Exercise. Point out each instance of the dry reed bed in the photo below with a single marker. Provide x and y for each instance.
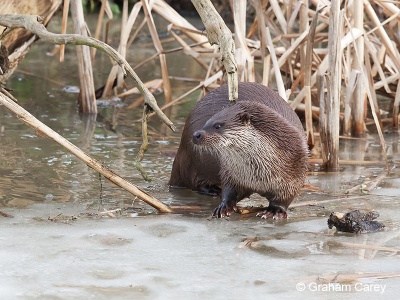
(286, 47)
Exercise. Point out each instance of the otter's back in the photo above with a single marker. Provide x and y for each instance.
(217, 100)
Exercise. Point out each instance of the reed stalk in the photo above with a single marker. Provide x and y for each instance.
(87, 98)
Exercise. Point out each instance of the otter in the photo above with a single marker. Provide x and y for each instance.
(256, 145)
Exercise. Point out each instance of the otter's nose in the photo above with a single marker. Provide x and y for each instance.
(198, 136)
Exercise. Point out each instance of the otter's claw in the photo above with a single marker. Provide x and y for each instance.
(273, 212)
(224, 210)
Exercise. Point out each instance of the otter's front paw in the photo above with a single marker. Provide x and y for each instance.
(273, 212)
(224, 210)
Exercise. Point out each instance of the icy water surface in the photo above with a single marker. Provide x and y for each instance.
(72, 235)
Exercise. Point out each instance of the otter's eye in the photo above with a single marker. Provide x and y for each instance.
(217, 126)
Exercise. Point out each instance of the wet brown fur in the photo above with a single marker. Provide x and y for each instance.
(261, 147)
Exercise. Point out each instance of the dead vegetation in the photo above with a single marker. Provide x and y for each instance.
(329, 59)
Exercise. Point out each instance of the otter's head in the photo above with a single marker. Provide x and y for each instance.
(223, 127)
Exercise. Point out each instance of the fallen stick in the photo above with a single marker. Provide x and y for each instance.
(319, 202)
(346, 278)
(368, 185)
(43, 130)
(366, 247)
(351, 162)
(5, 215)
(253, 209)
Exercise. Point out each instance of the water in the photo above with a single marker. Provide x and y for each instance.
(74, 235)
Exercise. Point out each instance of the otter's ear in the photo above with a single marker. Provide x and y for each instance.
(244, 117)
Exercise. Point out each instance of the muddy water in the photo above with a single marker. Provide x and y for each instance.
(75, 236)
